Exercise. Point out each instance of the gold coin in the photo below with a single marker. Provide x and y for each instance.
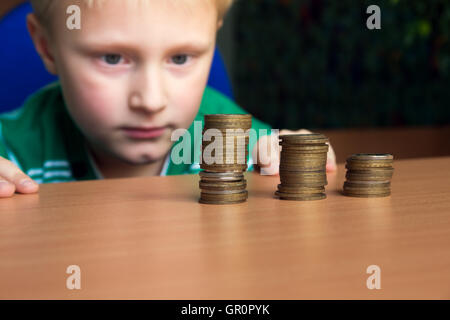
(227, 153)
(226, 148)
(224, 197)
(226, 137)
(300, 169)
(202, 201)
(365, 177)
(366, 191)
(300, 189)
(298, 166)
(224, 159)
(216, 158)
(367, 165)
(220, 162)
(221, 192)
(302, 161)
(313, 138)
(228, 117)
(232, 132)
(221, 176)
(223, 185)
(380, 195)
(305, 174)
(309, 184)
(372, 156)
(223, 167)
(367, 184)
(298, 197)
(302, 149)
(296, 161)
(230, 150)
(303, 157)
(228, 121)
(305, 153)
(379, 172)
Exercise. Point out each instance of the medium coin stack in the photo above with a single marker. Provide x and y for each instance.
(303, 163)
(222, 181)
(368, 175)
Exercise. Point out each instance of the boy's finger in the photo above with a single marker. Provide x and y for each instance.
(266, 153)
(301, 131)
(22, 183)
(7, 189)
(331, 160)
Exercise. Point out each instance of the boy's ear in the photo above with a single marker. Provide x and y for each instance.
(41, 42)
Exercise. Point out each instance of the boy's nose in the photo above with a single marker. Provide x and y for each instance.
(148, 93)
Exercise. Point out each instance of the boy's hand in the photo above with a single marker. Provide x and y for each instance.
(271, 165)
(12, 179)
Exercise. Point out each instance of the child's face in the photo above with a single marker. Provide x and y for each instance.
(142, 65)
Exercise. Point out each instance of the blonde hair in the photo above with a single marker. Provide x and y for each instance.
(42, 7)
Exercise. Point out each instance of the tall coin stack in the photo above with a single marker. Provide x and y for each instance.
(368, 175)
(303, 163)
(222, 182)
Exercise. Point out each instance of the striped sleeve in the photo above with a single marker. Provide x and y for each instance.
(3, 152)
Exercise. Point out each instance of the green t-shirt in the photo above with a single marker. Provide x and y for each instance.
(45, 143)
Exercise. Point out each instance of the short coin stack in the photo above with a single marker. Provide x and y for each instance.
(222, 181)
(368, 175)
(303, 167)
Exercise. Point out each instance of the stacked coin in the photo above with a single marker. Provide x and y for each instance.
(368, 175)
(303, 161)
(224, 158)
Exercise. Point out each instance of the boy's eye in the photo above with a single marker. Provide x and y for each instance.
(112, 59)
(179, 59)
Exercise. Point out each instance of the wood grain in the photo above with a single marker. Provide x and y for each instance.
(148, 238)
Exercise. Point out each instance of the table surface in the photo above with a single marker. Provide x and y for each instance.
(149, 238)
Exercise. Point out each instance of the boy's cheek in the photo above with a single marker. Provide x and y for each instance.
(96, 109)
(187, 105)
(96, 102)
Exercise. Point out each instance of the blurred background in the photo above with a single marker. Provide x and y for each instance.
(314, 64)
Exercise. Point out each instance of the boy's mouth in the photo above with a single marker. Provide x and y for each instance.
(144, 133)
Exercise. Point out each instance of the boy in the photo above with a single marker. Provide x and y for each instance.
(133, 73)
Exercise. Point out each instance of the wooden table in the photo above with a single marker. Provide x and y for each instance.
(149, 238)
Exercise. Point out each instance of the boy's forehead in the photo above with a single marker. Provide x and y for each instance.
(136, 11)
(144, 22)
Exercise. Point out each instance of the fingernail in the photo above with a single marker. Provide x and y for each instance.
(3, 183)
(26, 183)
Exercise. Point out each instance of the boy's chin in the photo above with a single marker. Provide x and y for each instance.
(143, 159)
